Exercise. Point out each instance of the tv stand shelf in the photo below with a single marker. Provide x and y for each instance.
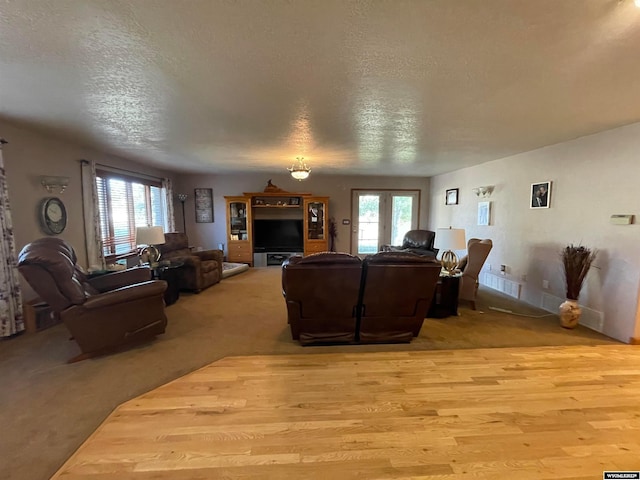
(276, 206)
(267, 259)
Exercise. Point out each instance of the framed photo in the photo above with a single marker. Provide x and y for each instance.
(294, 201)
(451, 197)
(484, 213)
(204, 205)
(540, 195)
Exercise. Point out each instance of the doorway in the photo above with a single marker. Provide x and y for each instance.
(382, 217)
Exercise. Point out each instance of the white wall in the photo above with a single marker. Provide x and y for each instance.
(592, 178)
(338, 187)
(28, 156)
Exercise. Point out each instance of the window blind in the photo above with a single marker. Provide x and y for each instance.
(126, 202)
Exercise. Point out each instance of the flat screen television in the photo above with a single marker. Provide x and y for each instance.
(278, 235)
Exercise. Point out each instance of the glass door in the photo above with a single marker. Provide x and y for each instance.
(382, 217)
(316, 238)
(238, 221)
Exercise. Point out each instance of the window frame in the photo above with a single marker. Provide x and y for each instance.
(109, 241)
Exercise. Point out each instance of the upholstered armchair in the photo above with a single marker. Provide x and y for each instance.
(200, 270)
(321, 292)
(477, 253)
(102, 313)
(397, 290)
(415, 241)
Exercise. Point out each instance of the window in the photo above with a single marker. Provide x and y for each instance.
(383, 217)
(126, 202)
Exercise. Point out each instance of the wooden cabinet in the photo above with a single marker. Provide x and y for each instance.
(316, 217)
(241, 210)
(239, 237)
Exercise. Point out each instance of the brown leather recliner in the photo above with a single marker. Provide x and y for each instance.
(415, 241)
(397, 290)
(102, 313)
(321, 293)
(201, 269)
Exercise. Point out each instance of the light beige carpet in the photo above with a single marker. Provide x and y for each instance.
(48, 407)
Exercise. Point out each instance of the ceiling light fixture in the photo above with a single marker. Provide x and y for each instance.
(299, 170)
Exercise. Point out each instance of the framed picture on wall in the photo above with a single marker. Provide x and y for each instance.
(204, 205)
(540, 194)
(484, 213)
(451, 197)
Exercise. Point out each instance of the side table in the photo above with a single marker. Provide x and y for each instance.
(445, 298)
(169, 271)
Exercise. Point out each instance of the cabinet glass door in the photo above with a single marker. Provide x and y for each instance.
(238, 221)
(315, 221)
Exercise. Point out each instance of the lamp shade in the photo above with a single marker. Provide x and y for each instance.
(149, 236)
(450, 239)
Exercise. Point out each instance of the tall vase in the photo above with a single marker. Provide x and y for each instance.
(570, 313)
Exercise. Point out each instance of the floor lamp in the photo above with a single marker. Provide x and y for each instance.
(183, 198)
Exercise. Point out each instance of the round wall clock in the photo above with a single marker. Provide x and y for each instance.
(53, 216)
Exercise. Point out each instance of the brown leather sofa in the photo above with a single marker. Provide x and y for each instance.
(200, 270)
(415, 241)
(397, 290)
(321, 292)
(333, 298)
(102, 313)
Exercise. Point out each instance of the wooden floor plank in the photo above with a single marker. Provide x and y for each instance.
(526, 413)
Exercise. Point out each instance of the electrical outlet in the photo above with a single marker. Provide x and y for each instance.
(545, 283)
(503, 269)
(523, 278)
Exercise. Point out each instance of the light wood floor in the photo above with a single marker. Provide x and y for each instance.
(517, 413)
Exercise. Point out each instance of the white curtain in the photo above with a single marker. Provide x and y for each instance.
(92, 233)
(168, 204)
(11, 319)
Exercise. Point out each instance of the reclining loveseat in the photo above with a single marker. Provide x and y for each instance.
(338, 298)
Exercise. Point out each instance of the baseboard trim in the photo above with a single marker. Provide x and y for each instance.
(634, 341)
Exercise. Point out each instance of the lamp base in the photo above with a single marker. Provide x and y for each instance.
(449, 261)
(150, 255)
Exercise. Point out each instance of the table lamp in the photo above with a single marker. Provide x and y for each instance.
(150, 237)
(448, 240)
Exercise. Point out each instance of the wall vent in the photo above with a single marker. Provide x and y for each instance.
(501, 284)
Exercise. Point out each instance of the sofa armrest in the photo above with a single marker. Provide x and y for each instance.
(111, 281)
(127, 294)
(394, 248)
(188, 260)
(217, 255)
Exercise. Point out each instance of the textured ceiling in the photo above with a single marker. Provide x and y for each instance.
(366, 87)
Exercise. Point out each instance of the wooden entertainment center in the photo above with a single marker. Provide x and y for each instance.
(271, 209)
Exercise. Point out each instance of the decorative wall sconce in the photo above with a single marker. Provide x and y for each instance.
(483, 192)
(299, 170)
(54, 184)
